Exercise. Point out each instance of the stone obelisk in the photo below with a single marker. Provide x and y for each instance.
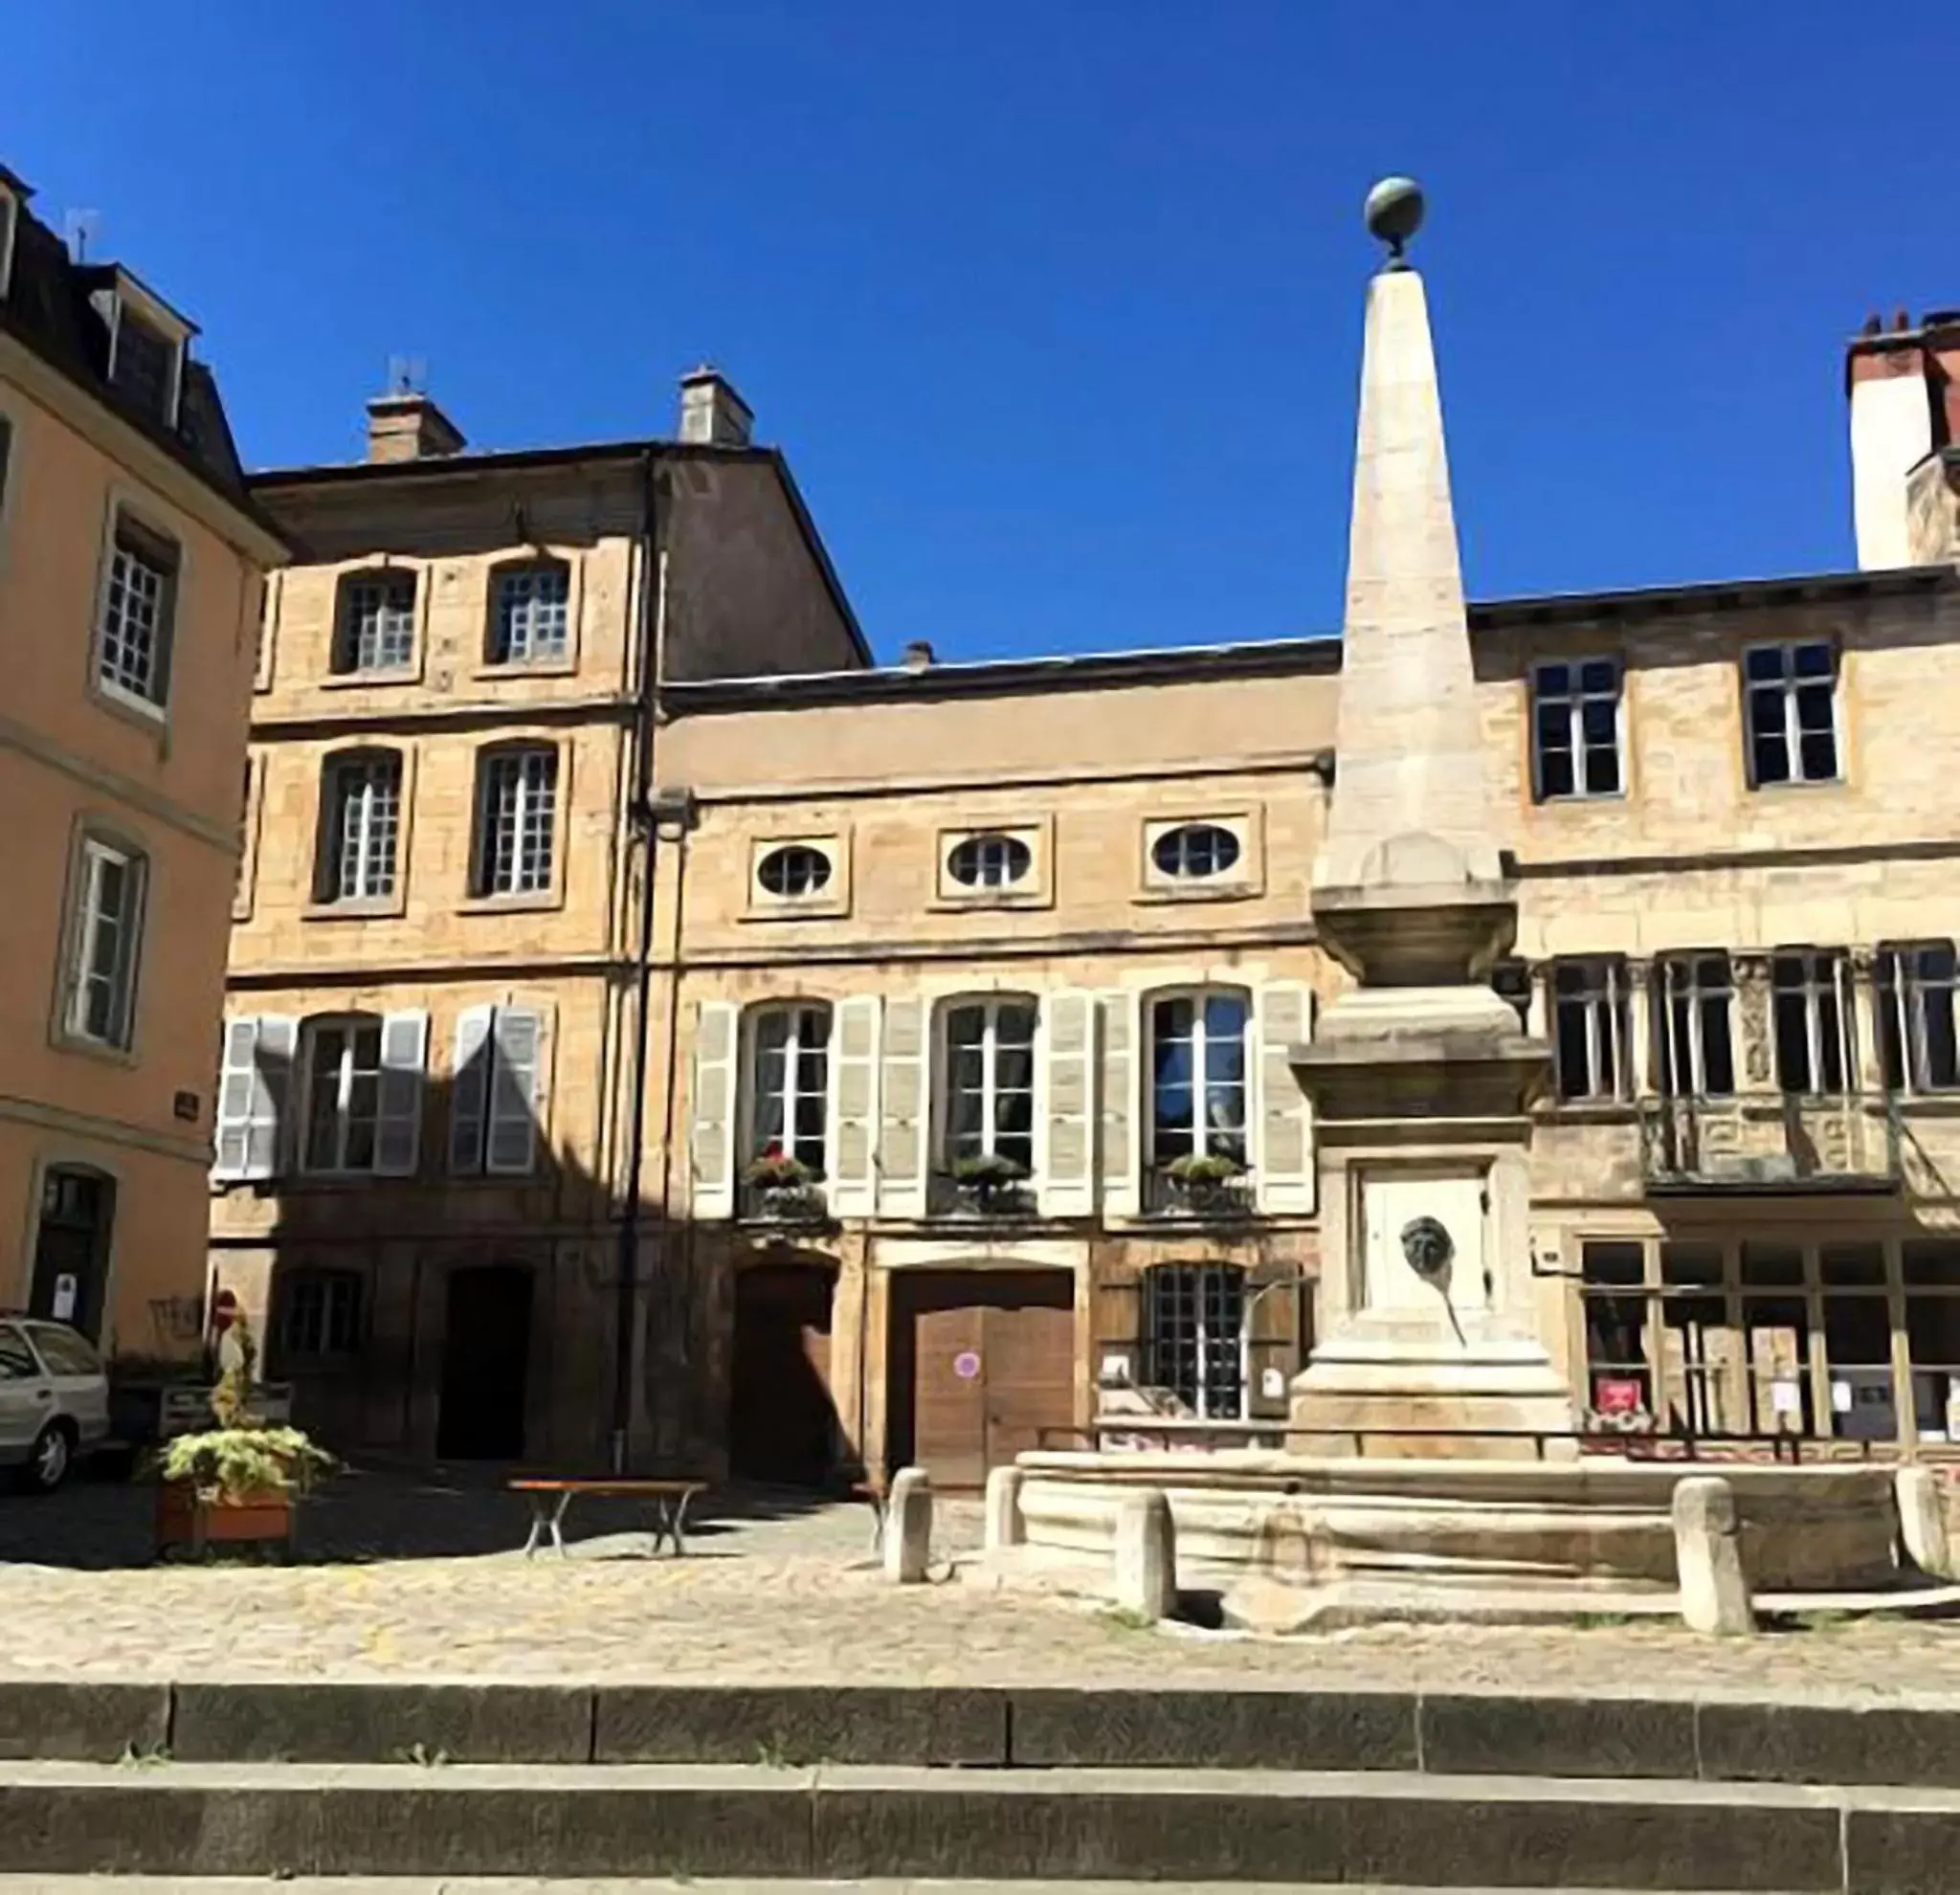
(1421, 1075)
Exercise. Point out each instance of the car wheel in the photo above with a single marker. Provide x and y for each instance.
(47, 1465)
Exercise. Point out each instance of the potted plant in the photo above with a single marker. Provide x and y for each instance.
(236, 1483)
(783, 1184)
(990, 1180)
(1204, 1178)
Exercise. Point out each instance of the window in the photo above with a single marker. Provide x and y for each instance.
(1575, 728)
(70, 1266)
(139, 602)
(63, 1351)
(1813, 1020)
(342, 1094)
(494, 1103)
(990, 1078)
(1198, 1042)
(1793, 712)
(1619, 1380)
(319, 1315)
(146, 367)
(529, 615)
(788, 1101)
(794, 871)
(516, 811)
(1592, 1022)
(377, 623)
(6, 456)
(1697, 1058)
(990, 862)
(1195, 851)
(362, 803)
(108, 920)
(1916, 1035)
(1194, 1314)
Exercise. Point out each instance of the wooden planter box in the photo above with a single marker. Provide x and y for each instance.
(183, 1520)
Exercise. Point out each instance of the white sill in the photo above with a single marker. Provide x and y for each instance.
(120, 696)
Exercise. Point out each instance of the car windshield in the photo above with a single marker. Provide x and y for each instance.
(64, 1353)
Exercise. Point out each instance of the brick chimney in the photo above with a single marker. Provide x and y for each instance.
(409, 426)
(1903, 383)
(712, 415)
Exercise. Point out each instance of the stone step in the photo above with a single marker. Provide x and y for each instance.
(1711, 1739)
(498, 1884)
(1402, 1828)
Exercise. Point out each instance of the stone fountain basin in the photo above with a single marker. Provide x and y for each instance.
(1597, 1523)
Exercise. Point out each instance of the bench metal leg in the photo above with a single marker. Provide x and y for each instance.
(669, 1521)
(538, 1509)
(877, 1526)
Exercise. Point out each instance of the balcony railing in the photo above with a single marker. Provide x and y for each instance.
(1772, 1144)
(1205, 1200)
(799, 1206)
(983, 1200)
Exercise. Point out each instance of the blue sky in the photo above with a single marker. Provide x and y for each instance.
(1055, 307)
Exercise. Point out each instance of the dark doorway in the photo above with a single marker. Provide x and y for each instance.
(72, 1248)
(484, 1363)
(782, 1423)
(982, 1369)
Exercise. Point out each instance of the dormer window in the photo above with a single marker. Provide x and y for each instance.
(146, 345)
(9, 223)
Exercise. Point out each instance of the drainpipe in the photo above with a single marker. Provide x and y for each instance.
(650, 640)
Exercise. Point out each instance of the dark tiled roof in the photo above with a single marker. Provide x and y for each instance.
(46, 307)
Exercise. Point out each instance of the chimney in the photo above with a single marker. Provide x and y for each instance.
(408, 426)
(918, 655)
(712, 415)
(1890, 382)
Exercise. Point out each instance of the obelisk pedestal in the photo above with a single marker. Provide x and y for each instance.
(1420, 1074)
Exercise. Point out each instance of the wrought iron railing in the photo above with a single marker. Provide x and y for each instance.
(982, 1200)
(1776, 1141)
(1217, 1200)
(800, 1205)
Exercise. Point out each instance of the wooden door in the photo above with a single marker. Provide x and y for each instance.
(485, 1363)
(782, 1423)
(983, 1363)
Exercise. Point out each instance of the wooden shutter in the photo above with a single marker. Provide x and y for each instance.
(717, 1042)
(515, 1090)
(469, 1088)
(1283, 1160)
(906, 1127)
(1122, 1123)
(1067, 1120)
(238, 1087)
(398, 1117)
(272, 1085)
(853, 1127)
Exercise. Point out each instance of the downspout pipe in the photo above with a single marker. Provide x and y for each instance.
(651, 632)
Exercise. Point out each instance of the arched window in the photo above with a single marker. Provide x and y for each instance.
(789, 1094)
(1193, 1319)
(1197, 1075)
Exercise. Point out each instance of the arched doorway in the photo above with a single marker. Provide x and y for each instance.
(485, 1363)
(981, 1367)
(781, 1422)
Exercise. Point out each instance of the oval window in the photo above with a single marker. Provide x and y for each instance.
(794, 871)
(1194, 850)
(990, 862)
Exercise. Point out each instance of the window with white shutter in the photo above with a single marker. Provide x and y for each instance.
(1283, 1162)
(1121, 1146)
(363, 1093)
(853, 1172)
(904, 1149)
(1067, 1167)
(712, 1140)
(398, 1125)
(495, 1090)
(252, 1087)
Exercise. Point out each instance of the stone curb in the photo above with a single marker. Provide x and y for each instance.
(1441, 1733)
(1370, 1828)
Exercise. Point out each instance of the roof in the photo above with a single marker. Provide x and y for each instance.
(518, 461)
(1275, 656)
(47, 309)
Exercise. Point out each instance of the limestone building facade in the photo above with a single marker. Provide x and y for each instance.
(132, 562)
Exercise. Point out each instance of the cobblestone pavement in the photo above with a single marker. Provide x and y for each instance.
(420, 1577)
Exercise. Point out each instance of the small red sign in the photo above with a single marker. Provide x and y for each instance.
(1618, 1394)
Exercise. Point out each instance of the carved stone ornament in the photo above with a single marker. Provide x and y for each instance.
(1428, 1246)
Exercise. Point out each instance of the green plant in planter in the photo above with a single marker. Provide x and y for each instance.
(1205, 1167)
(776, 1170)
(230, 1463)
(989, 1167)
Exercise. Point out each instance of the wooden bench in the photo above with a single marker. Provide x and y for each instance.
(552, 1499)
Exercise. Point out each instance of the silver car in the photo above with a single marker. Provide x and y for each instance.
(53, 1400)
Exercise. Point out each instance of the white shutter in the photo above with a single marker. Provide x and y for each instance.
(1066, 1118)
(469, 1088)
(515, 1090)
(1123, 1064)
(852, 1117)
(1283, 1160)
(905, 1155)
(717, 1042)
(279, 1047)
(237, 1085)
(398, 1114)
